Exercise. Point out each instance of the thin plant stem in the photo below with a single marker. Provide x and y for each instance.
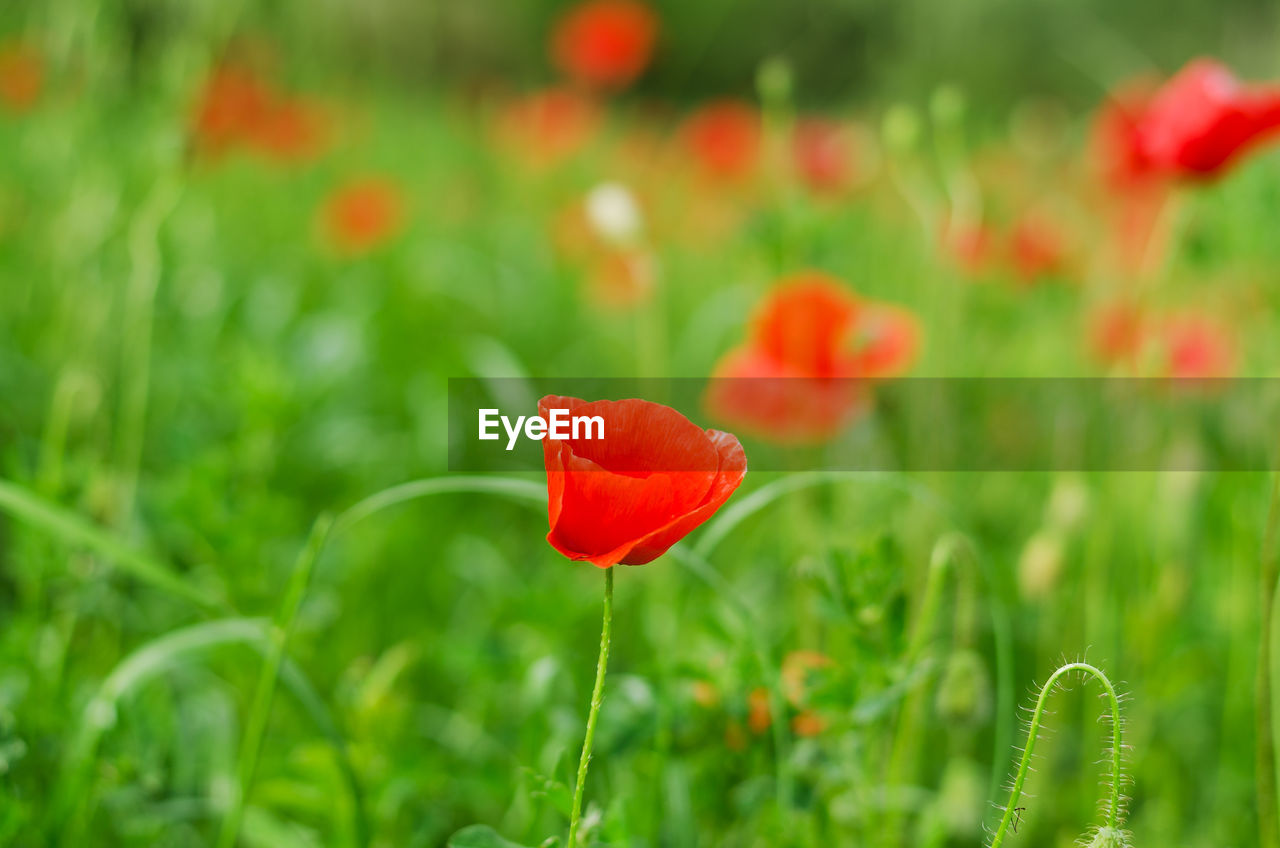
(904, 751)
(136, 331)
(597, 697)
(1112, 802)
(1268, 817)
(264, 693)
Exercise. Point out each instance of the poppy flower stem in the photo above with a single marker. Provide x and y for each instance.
(1268, 818)
(1113, 803)
(597, 697)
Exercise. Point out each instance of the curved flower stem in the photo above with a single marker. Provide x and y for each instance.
(597, 696)
(1268, 819)
(1113, 800)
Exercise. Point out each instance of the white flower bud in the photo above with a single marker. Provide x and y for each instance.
(613, 212)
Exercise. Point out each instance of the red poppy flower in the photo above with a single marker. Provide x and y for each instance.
(1204, 119)
(1196, 348)
(1036, 248)
(621, 276)
(723, 138)
(21, 76)
(824, 154)
(1118, 148)
(971, 246)
(548, 126)
(230, 109)
(605, 43)
(1117, 334)
(629, 496)
(291, 130)
(801, 376)
(362, 214)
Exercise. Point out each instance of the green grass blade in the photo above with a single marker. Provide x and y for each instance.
(75, 530)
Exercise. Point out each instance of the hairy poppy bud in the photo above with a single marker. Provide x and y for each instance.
(1110, 837)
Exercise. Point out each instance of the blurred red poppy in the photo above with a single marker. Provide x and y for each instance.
(230, 109)
(971, 246)
(824, 155)
(21, 76)
(362, 214)
(1036, 248)
(1117, 332)
(1117, 144)
(546, 127)
(723, 139)
(802, 374)
(1195, 348)
(291, 130)
(621, 276)
(1203, 120)
(605, 43)
(629, 496)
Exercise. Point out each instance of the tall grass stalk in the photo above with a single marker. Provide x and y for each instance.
(1264, 714)
(264, 693)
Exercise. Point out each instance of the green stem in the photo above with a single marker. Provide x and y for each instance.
(137, 325)
(904, 750)
(1113, 801)
(597, 697)
(697, 565)
(1268, 818)
(260, 710)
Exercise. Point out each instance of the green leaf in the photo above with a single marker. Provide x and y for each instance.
(480, 836)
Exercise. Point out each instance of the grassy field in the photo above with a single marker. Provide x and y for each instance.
(225, 620)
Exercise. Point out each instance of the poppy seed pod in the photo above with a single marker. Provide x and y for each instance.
(1040, 565)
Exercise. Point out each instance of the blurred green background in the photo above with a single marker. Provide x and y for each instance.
(195, 367)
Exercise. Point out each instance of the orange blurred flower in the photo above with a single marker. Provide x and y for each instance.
(236, 108)
(1196, 347)
(759, 717)
(605, 43)
(808, 723)
(1036, 248)
(229, 109)
(21, 76)
(291, 130)
(546, 127)
(803, 373)
(797, 667)
(971, 246)
(1117, 333)
(723, 139)
(363, 214)
(621, 276)
(825, 155)
(705, 694)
